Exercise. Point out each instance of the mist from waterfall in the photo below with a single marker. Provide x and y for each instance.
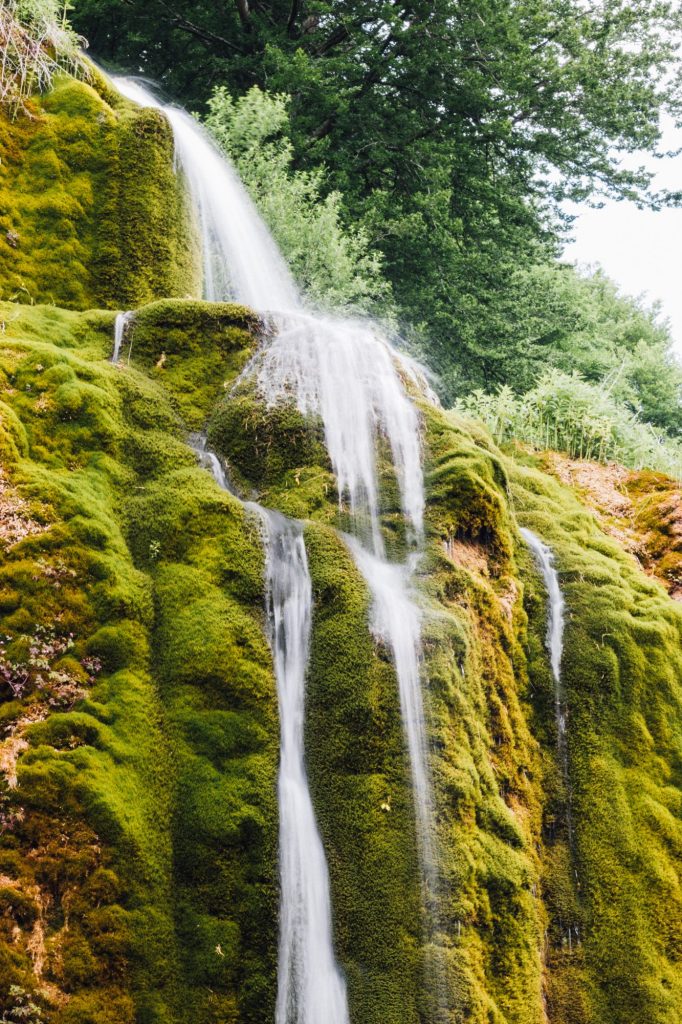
(344, 370)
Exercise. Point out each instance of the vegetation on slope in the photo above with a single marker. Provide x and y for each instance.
(533, 893)
(642, 510)
(92, 213)
(566, 413)
(139, 743)
(138, 718)
(36, 41)
(613, 954)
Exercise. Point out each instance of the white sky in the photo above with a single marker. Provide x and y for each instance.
(640, 250)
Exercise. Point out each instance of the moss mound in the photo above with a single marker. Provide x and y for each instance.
(92, 212)
(613, 877)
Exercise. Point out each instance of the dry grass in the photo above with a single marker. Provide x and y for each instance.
(36, 41)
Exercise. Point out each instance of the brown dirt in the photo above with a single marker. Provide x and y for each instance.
(640, 509)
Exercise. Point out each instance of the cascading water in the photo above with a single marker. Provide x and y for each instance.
(341, 369)
(345, 371)
(397, 622)
(544, 558)
(120, 323)
(240, 259)
(209, 460)
(311, 989)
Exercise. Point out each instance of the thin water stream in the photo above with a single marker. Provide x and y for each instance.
(544, 558)
(311, 989)
(120, 324)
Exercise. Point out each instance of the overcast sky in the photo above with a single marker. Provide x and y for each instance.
(640, 250)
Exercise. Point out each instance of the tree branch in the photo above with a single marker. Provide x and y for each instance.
(293, 15)
(244, 14)
(182, 23)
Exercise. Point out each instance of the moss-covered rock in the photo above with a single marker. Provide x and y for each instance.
(92, 211)
(614, 887)
(139, 733)
(194, 349)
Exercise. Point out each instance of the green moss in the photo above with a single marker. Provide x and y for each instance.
(92, 212)
(621, 671)
(194, 349)
(94, 452)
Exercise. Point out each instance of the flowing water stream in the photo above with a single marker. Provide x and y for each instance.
(120, 323)
(544, 558)
(311, 989)
(344, 371)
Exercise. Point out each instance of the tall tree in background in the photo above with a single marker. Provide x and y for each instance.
(452, 129)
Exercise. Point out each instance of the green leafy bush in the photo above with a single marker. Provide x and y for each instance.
(566, 412)
(332, 263)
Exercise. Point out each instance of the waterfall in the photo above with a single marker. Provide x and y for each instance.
(342, 369)
(311, 989)
(209, 460)
(240, 259)
(345, 371)
(544, 558)
(120, 323)
(396, 621)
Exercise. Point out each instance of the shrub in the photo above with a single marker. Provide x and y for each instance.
(567, 413)
(36, 40)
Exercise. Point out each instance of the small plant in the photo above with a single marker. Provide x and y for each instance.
(36, 41)
(36, 669)
(22, 1009)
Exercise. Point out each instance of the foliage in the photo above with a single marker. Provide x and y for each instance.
(36, 41)
(614, 839)
(551, 315)
(332, 264)
(23, 1010)
(567, 413)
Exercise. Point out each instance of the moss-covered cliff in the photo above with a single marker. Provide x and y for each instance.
(138, 712)
(92, 212)
(139, 728)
